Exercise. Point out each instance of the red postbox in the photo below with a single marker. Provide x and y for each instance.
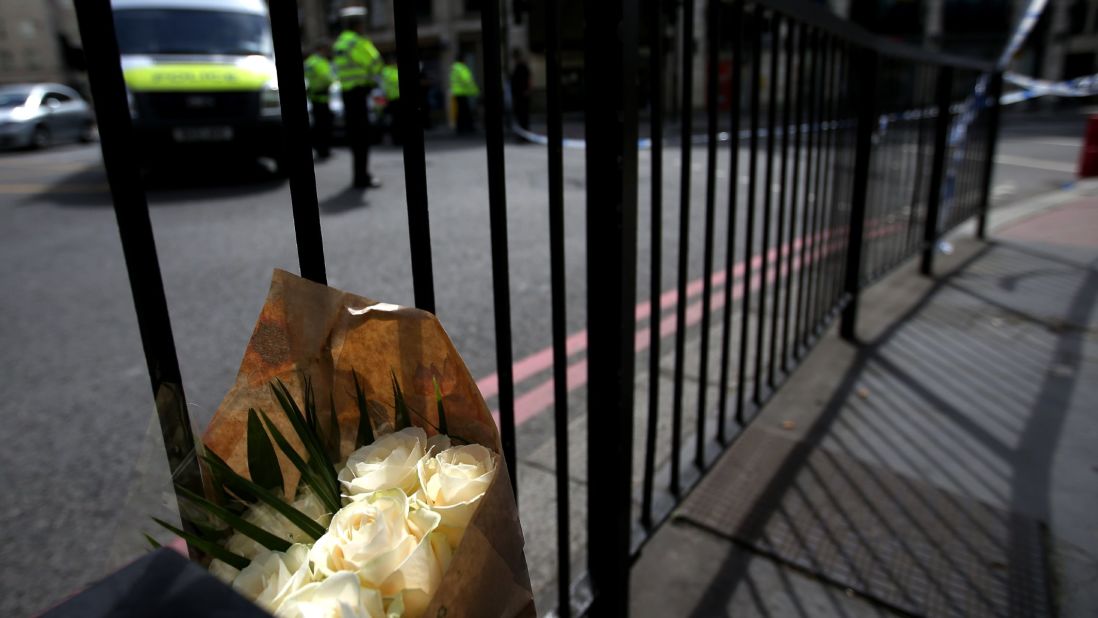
(1088, 159)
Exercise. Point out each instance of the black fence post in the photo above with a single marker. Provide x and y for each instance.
(131, 209)
(994, 93)
(942, 97)
(497, 215)
(415, 158)
(297, 153)
(868, 66)
(610, 57)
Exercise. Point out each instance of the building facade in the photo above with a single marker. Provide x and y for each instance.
(449, 30)
(40, 42)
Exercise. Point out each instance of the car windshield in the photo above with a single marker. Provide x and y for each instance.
(185, 31)
(12, 98)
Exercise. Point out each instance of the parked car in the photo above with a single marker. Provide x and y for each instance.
(38, 115)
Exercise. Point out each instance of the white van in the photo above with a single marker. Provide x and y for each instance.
(200, 74)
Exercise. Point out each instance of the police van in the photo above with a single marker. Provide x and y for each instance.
(200, 75)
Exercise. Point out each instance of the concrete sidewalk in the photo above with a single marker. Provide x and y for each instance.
(946, 466)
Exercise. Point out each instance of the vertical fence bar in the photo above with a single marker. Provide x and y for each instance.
(783, 177)
(768, 198)
(286, 34)
(131, 210)
(497, 213)
(812, 44)
(819, 208)
(802, 62)
(866, 101)
(827, 255)
(712, 32)
(917, 183)
(846, 174)
(684, 237)
(655, 288)
(995, 92)
(942, 95)
(749, 228)
(559, 298)
(415, 162)
(733, 213)
(610, 48)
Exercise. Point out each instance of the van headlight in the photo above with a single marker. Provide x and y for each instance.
(268, 100)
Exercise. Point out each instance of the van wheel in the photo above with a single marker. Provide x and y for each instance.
(40, 138)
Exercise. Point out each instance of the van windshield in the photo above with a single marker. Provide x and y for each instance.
(186, 31)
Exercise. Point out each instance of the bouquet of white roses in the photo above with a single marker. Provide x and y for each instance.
(383, 501)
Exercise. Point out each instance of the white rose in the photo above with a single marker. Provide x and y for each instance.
(273, 576)
(223, 571)
(453, 483)
(267, 518)
(387, 546)
(388, 463)
(339, 596)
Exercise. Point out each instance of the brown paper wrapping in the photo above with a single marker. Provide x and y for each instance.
(311, 329)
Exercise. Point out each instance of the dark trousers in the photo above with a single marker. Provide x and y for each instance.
(393, 111)
(522, 111)
(357, 115)
(465, 114)
(322, 129)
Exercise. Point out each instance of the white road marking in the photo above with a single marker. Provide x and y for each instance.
(1039, 164)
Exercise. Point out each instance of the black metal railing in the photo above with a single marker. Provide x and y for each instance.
(859, 154)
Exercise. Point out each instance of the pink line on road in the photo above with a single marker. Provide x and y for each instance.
(540, 397)
(577, 342)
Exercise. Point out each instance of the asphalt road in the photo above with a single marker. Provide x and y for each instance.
(77, 451)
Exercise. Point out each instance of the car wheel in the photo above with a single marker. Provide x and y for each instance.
(40, 138)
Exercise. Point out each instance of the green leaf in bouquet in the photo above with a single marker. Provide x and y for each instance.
(262, 462)
(248, 529)
(365, 427)
(207, 546)
(152, 542)
(325, 490)
(220, 482)
(318, 460)
(402, 419)
(441, 409)
(296, 517)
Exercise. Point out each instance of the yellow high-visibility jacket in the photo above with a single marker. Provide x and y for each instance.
(462, 83)
(318, 78)
(390, 82)
(357, 61)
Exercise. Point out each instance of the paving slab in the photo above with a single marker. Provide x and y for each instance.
(943, 466)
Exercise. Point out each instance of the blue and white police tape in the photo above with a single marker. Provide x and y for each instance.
(1033, 88)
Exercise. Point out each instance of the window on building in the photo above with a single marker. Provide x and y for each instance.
(5, 60)
(31, 60)
(472, 6)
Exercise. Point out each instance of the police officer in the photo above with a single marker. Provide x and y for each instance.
(318, 80)
(358, 65)
(465, 92)
(390, 84)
